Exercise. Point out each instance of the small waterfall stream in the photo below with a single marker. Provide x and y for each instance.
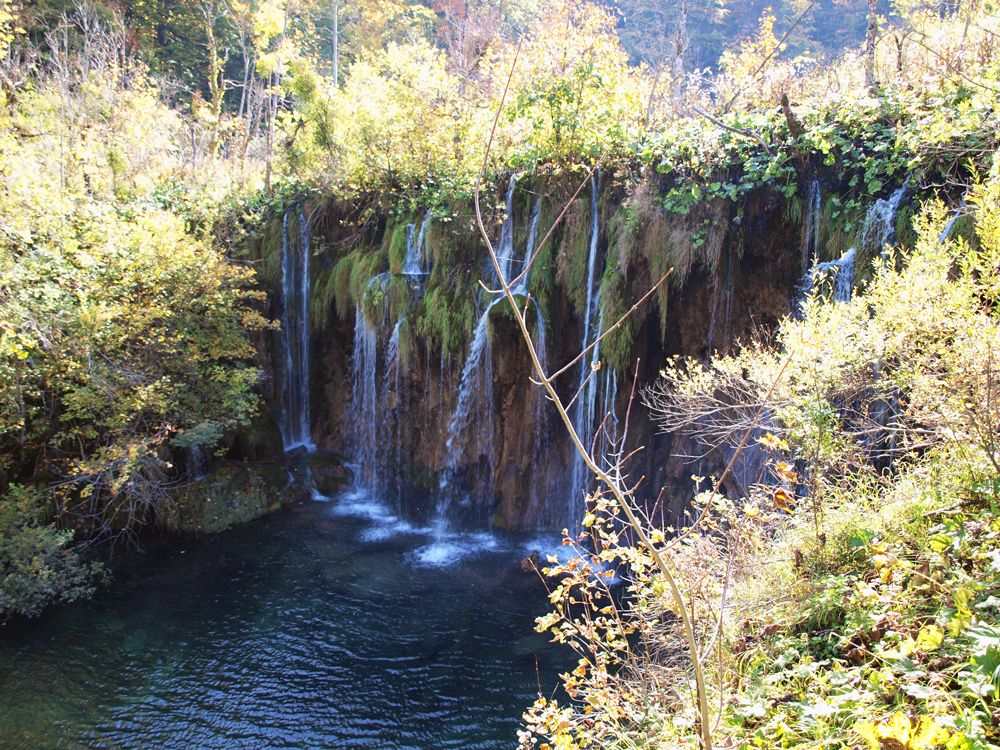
(295, 288)
(472, 421)
(476, 384)
(586, 396)
(811, 245)
(198, 464)
(413, 265)
(878, 230)
(365, 400)
(378, 403)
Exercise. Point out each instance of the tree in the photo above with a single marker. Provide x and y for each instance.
(871, 38)
(213, 12)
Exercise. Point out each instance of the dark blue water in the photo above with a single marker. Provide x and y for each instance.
(325, 625)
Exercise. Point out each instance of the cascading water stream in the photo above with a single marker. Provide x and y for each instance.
(365, 400)
(295, 287)
(198, 464)
(521, 287)
(724, 293)
(476, 384)
(812, 224)
(371, 404)
(413, 264)
(878, 231)
(586, 397)
(505, 247)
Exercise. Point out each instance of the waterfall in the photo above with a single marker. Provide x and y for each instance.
(295, 288)
(413, 265)
(394, 382)
(372, 409)
(505, 247)
(950, 224)
(724, 291)
(197, 464)
(586, 397)
(522, 285)
(421, 248)
(476, 383)
(365, 399)
(811, 248)
(878, 230)
(540, 397)
(880, 222)
(477, 372)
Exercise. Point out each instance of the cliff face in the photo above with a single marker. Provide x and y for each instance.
(426, 387)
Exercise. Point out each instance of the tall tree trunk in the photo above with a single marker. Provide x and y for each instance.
(273, 107)
(870, 39)
(336, 44)
(216, 85)
(680, 50)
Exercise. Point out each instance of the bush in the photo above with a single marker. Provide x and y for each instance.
(37, 567)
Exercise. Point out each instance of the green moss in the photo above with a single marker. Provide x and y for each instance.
(617, 349)
(322, 300)
(454, 240)
(340, 281)
(406, 344)
(794, 209)
(398, 295)
(397, 248)
(542, 280)
(840, 228)
(965, 228)
(906, 236)
(232, 494)
(445, 317)
(375, 299)
(266, 254)
(574, 254)
(365, 268)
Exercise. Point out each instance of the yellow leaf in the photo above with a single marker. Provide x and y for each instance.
(930, 638)
(786, 471)
(782, 498)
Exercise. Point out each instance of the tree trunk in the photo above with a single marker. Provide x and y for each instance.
(336, 44)
(273, 106)
(870, 39)
(680, 50)
(216, 85)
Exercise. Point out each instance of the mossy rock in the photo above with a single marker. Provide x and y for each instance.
(258, 441)
(233, 493)
(329, 474)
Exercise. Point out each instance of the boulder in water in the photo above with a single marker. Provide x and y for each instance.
(299, 451)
